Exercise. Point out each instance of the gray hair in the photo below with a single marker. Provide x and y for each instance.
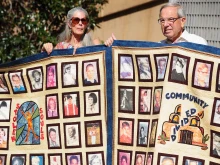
(94, 157)
(67, 33)
(180, 11)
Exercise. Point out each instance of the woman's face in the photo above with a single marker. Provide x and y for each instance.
(78, 28)
(90, 101)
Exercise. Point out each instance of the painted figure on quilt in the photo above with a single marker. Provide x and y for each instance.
(125, 134)
(17, 83)
(28, 124)
(37, 79)
(68, 77)
(202, 75)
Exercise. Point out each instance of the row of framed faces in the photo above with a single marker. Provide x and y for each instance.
(70, 105)
(72, 135)
(92, 158)
(178, 71)
(126, 135)
(69, 77)
(124, 157)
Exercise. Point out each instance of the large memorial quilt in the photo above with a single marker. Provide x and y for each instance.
(135, 103)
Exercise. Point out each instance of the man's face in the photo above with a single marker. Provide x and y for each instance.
(202, 73)
(70, 101)
(171, 30)
(90, 72)
(139, 161)
(53, 136)
(157, 97)
(16, 81)
(123, 162)
(74, 162)
(167, 162)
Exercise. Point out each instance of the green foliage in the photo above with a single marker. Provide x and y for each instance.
(26, 25)
(205, 138)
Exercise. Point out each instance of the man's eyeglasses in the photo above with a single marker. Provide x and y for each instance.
(169, 20)
(76, 20)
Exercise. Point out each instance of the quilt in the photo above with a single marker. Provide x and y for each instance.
(135, 103)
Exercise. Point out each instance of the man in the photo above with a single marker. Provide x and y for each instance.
(167, 161)
(70, 109)
(177, 73)
(17, 84)
(90, 74)
(72, 139)
(143, 137)
(161, 68)
(172, 19)
(125, 134)
(124, 160)
(52, 137)
(157, 100)
(37, 80)
(74, 160)
(139, 160)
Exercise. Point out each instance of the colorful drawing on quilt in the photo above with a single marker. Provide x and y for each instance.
(28, 124)
(185, 130)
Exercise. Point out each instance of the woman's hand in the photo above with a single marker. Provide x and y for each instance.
(110, 40)
(48, 47)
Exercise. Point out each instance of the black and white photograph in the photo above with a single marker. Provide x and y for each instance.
(5, 110)
(95, 158)
(18, 159)
(69, 74)
(53, 136)
(161, 65)
(144, 68)
(142, 133)
(126, 99)
(92, 103)
(72, 135)
(35, 78)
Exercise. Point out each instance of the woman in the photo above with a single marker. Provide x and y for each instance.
(76, 33)
(92, 106)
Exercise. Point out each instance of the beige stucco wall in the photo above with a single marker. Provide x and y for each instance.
(139, 25)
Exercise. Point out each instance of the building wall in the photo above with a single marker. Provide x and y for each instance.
(130, 20)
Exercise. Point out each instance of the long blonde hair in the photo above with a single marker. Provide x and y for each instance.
(67, 33)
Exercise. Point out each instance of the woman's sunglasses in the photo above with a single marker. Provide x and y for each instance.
(76, 20)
